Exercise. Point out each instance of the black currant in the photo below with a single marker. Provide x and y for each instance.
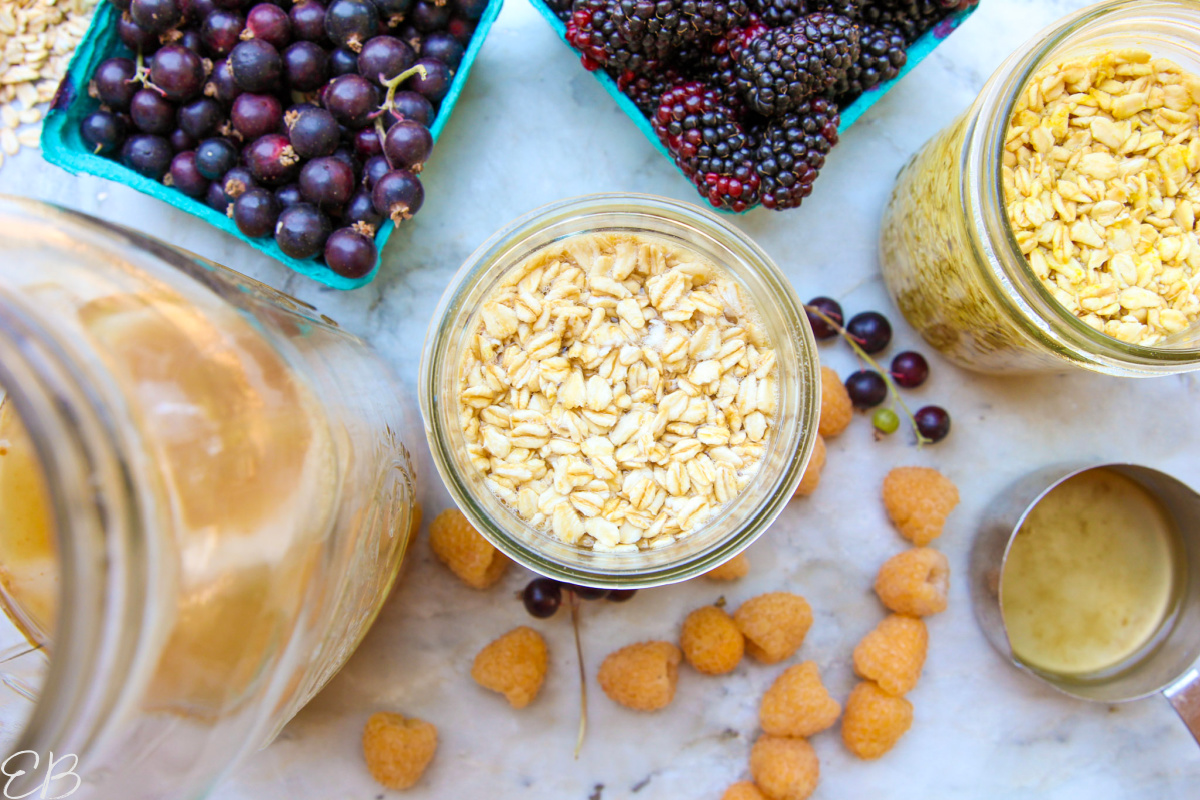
(871, 330)
(301, 231)
(308, 21)
(830, 308)
(255, 212)
(256, 66)
(114, 83)
(215, 157)
(272, 160)
(434, 83)
(201, 118)
(147, 155)
(361, 209)
(255, 115)
(398, 195)
(410, 105)
(933, 422)
(352, 99)
(350, 23)
(342, 62)
(185, 177)
(542, 597)
(349, 253)
(327, 183)
(313, 132)
(306, 66)
(621, 595)
(289, 195)
(271, 24)
(909, 369)
(428, 15)
(152, 113)
(178, 72)
(103, 131)
(407, 145)
(866, 388)
(444, 48)
(156, 16)
(221, 31)
(588, 592)
(374, 169)
(384, 57)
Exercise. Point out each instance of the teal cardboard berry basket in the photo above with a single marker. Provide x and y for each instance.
(62, 144)
(849, 115)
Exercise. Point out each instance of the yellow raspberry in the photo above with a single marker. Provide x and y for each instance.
(514, 665)
(914, 582)
(812, 473)
(874, 720)
(731, 570)
(711, 641)
(743, 790)
(774, 625)
(798, 704)
(460, 547)
(918, 500)
(893, 654)
(836, 408)
(641, 676)
(784, 769)
(398, 748)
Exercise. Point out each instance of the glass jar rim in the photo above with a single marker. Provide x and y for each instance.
(1012, 278)
(489, 256)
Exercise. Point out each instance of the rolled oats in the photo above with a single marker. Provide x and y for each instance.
(617, 391)
(1100, 184)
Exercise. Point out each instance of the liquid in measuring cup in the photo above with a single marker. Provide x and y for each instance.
(1092, 576)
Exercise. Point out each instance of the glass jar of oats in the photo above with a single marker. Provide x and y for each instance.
(204, 499)
(620, 390)
(1052, 223)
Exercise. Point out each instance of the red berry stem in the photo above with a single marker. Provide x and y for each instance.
(574, 601)
(863, 355)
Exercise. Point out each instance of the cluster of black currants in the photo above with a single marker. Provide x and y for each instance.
(543, 596)
(307, 122)
(868, 333)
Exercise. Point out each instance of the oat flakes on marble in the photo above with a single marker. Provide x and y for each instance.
(617, 391)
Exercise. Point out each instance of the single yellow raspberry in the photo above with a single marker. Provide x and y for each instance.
(784, 769)
(731, 570)
(743, 790)
(812, 473)
(918, 500)
(711, 641)
(774, 625)
(914, 582)
(836, 408)
(460, 547)
(893, 654)
(398, 748)
(514, 665)
(641, 676)
(798, 704)
(874, 720)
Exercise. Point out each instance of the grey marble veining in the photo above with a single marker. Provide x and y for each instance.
(531, 128)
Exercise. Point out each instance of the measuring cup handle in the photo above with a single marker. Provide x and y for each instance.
(1184, 695)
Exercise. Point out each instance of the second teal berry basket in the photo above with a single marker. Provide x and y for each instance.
(62, 145)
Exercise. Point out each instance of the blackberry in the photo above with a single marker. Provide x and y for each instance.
(881, 57)
(654, 24)
(593, 32)
(792, 150)
(843, 8)
(646, 90)
(718, 66)
(707, 141)
(910, 18)
(777, 70)
(780, 13)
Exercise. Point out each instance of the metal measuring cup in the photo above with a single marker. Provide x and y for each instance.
(1170, 665)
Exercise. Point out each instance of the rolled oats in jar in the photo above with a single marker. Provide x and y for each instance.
(620, 390)
(1053, 223)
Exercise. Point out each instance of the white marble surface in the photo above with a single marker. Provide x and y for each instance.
(532, 128)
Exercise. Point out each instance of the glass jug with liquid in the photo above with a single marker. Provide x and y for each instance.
(205, 497)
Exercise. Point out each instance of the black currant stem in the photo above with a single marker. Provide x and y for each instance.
(582, 675)
(141, 73)
(887, 376)
(382, 136)
(394, 83)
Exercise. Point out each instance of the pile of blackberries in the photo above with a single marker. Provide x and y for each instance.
(746, 94)
(306, 122)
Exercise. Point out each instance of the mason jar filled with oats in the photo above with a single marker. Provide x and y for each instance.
(620, 391)
(1055, 222)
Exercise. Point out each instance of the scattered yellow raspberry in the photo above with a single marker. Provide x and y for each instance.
(514, 665)
(460, 547)
(914, 582)
(731, 570)
(836, 408)
(918, 500)
(398, 748)
(641, 676)
(774, 625)
(893, 654)
(874, 720)
(812, 473)
(784, 769)
(743, 790)
(798, 704)
(711, 641)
